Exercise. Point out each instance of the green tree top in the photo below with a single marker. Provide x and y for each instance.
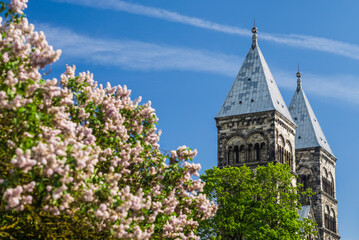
(256, 205)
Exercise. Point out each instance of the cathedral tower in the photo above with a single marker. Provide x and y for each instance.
(254, 125)
(315, 164)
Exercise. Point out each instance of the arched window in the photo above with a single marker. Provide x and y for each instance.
(329, 219)
(256, 146)
(281, 143)
(233, 150)
(242, 153)
(328, 183)
(250, 153)
(331, 180)
(333, 220)
(236, 154)
(305, 177)
(287, 157)
(258, 152)
(289, 154)
(230, 153)
(326, 217)
(263, 151)
(281, 155)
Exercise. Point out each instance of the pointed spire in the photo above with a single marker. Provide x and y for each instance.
(254, 89)
(254, 37)
(299, 80)
(309, 133)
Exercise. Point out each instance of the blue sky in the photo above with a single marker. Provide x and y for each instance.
(184, 56)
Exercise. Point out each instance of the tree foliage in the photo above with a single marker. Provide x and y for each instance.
(80, 161)
(257, 205)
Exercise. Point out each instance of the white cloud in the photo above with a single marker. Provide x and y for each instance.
(136, 55)
(119, 5)
(342, 87)
(293, 40)
(129, 54)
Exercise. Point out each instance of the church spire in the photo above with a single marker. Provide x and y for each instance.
(299, 80)
(254, 37)
(309, 133)
(254, 89)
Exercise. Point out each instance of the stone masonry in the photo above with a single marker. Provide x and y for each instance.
(316, 170)
(253, 139)
(255, 127)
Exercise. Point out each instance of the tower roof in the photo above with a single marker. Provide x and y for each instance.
(254, 89)
(309, 133)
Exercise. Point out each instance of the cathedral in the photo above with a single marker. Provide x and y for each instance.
(255, 127)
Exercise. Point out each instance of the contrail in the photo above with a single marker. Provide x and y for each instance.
(143, 56)
(137, 55)
(293, 40)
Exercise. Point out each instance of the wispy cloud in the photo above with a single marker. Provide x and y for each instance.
(129, 54)
(141, 56)
(342, 87)
(163, 14)
(293, 40)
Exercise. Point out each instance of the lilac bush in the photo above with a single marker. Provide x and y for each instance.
(72, 147)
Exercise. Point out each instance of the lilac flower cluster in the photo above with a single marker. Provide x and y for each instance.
(77, 148)
(18, 5)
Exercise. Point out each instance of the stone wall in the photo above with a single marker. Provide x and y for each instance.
(243, 130)
(253, 139)
(285, 141)
(316, 169)
(263, 137)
